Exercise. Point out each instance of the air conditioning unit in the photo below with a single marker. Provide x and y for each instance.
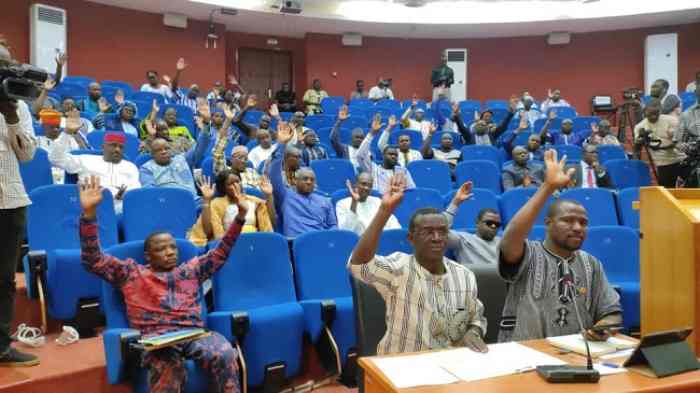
(352, 39)
(457, 60)
(175, 20)
(559, 38)
(291, 6)
(47, 35)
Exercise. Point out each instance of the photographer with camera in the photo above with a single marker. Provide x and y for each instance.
(382, 91)
(655, 134)
(17, 144)
(442, 78)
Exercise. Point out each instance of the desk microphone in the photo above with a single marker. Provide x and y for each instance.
(568, 373)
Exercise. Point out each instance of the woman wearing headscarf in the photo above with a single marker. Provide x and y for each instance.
(125, 119)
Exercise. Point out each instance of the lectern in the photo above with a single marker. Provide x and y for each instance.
(670, 261)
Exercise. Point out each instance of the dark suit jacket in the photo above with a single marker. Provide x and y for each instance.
(601, 181)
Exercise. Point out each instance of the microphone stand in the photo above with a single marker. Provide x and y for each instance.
(571, 290)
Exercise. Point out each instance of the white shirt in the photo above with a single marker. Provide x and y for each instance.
(258, 154)
(548, 103)
(423, 126)
(112, 176)
(380, 93)
(365, 211)
(17, 143)
(584, 176)
(163, 90)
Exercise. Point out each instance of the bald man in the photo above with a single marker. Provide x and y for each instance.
(522, 172)
(239, 166)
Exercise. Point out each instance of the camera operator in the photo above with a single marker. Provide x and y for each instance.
(442, 78)
(655, 134)
(382, 91)
(17, 143)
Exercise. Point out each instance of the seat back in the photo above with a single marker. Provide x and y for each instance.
(319, 121)
(496, 104)
(320, 260)
(394, 240)
(610, 152)
(481, 152)
(617, 248)
(151, 209)
(37, 172)
(572, 152)
(628, 173)
(416, 138)
(147, 96)
(257, 273)
(356, 121)
(482, 173)
(599, 204)
(370, 317)
(433, 174)
(53, 218)
(512, 200)
(415, 199)
(112, 299)
(564, 112)
(126, 87)
(330, 105)
(78, 80)
(344, 193)
(469, 210)
(492, 292)
(331, 174)
(131, 147)
(628, 216)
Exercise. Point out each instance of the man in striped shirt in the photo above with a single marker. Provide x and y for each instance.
(431, 301)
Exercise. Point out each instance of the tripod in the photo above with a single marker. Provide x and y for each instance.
(638, 153)
(624, 118)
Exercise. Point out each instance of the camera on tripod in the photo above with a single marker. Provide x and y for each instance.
(21, 82)
(646, 139)
(632, 94)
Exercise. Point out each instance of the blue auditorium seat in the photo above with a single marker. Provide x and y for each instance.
(330, 105)
(356, 121)
(142, 159)
(131, 147)
(394, 240)
(320, 266)
(628, 173)
(484, 174)
(564, 112)
(433, 174)
(253, 117)
(182, 110)
(117, 324)
(572, 152)
(360, 104)
(346, 135)
(688, 99)
(481, 152)
(52, 226)
(126, 87)
(151, 209)
(415, 199)
(628, 216)
(599, 204)
(610, 152)
(72, 90)
(393, 105)
(316, 122)
(554, 125)
(496, 104)
(582, 124)
(468, 107)
(456, 139)
(617, 248)
(416, 138)
(146, 96)
(512, 200)
(331, 174)
(37, 172)
(469, 210)
(257, 280)
(344, 193)
(77, 80)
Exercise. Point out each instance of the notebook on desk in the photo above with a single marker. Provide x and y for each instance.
(575, 343)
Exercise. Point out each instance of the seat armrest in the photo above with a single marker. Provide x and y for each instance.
(119, 353)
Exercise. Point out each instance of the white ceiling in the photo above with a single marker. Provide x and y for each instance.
(322, 16)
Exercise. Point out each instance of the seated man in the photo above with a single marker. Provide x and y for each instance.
(91, 104)
(286, 98)
(163, 296)
(125, 120)
(311, 149)
(263, 150)
(381, 173)
(342, 150)
(418, 122)
(115, 173)
(356, 211)
(553, 100)
(484, 131)
(405, 154)
(433, 300)
(537, 306)
(301, 209)
(534, 146)
(239, 166)
(601, 135)
(297, 124)
(381, 91)
(313, 98)
(68, 108)
(529, 112)
(445, 152)
(360, 92)
(566, 136)
(589, 173)
(481, 247)
(521, 172)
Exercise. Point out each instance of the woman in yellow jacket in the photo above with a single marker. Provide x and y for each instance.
(218, 213)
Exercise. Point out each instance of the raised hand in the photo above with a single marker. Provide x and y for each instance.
(154, 107)
(376, 124)
(151, 128)
(594, 128)
(432, 129)
(552, 115)
(228, 112)
(251, 102)
(555, 175)
(203, 111)
(103, 105)
(61, 59)
(284, 132)
(180, 65)
(414, 101)
(49, 84)
(207, 188)
(167, 80)
(90, 194)
(266, 186)
(274, 111)
(343, 113)
(524, 124)
(353, 192)
(119, 97)
(232, 80)
(463, 193)
(240, 202)
(455, 109)
(392, 122)
(549, 93)
(394, 193)
(513, 103)
(73, 123)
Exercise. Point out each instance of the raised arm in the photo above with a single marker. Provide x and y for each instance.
(407, 113)
(466, 134)
(426, 150)
(284, 135)
(513, 242)
(61, 59)
(111, 269)
(463, 193)
(179, 67)
(340, 149)
(196, 154)
(543, 133)
(366, 248)
(364, 160)
(38, 104)
(504, 124)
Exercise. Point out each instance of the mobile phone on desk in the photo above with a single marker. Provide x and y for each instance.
(602, 328)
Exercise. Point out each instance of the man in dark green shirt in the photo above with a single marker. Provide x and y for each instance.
(442, 78)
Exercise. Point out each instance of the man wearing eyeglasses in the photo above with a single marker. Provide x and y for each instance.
(481, 247)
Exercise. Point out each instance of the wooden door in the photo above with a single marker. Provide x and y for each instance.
(262, 72)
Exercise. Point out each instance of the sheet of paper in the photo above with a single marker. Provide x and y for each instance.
(619, 354)
(606, 370)
(415, 370)
(576, 343)
(502, 359)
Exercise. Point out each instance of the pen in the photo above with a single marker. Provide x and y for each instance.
(524, 370)
(611, 365)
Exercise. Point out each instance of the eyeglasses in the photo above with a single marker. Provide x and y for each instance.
(492, 224)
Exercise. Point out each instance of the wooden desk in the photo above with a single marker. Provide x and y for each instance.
(376, 382)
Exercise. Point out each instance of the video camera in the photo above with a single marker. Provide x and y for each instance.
(21, 82)
(646, 138)
(632, 93)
